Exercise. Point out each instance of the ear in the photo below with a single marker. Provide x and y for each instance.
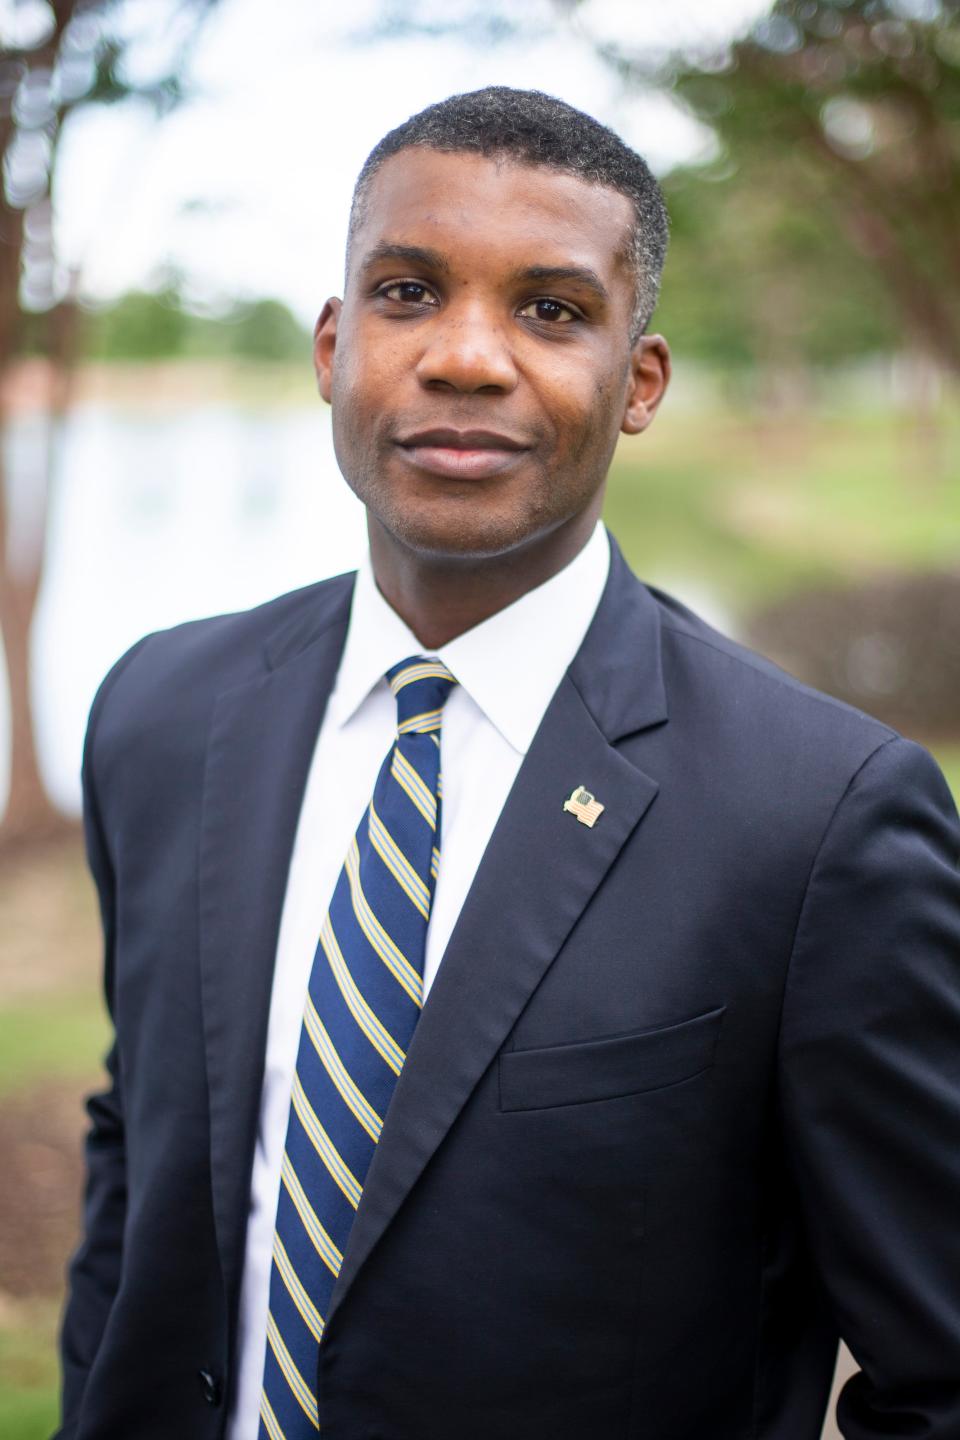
(324, 345)
(649, 378)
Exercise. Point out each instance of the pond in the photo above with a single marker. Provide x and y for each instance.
(158, 518)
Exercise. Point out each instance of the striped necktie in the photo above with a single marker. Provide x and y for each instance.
(363, 1001)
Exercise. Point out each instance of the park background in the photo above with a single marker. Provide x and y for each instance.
(176, 178)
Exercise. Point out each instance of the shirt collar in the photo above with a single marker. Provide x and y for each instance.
(509, 665)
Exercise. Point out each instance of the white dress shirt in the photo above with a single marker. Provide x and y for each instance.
(508, 669)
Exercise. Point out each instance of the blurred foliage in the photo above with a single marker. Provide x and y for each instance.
(58, 58)
(266, 330)
(140, 326)
(160, 326)
(752, 281)
(828, 224)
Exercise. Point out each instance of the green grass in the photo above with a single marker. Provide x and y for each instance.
(948, 757)
(28, 1414)
(29, 1384)
(747, 512)
(46, 1037)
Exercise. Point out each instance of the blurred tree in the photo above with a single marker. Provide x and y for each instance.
(56, 57)
(760, 290)
(160, 325)
(140, 326)
(267, 331)
(834, 208)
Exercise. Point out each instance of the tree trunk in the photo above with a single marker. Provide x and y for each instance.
(29, 814)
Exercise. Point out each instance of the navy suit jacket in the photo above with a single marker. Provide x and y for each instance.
(682, 1106)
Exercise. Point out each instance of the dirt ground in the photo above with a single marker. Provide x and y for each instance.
(50, 949)
(40, 1188)
(48, 921)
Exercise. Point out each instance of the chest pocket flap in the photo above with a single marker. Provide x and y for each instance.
(573, 1074)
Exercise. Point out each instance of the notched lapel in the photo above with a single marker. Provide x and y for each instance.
(261, 742)
(539, 872)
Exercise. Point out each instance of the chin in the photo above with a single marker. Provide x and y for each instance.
(460, 537)
(465, 527)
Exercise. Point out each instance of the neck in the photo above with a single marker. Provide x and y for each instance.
(441, 597)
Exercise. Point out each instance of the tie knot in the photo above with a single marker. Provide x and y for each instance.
(421, 686)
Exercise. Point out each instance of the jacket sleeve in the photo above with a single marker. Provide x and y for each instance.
(869, 1085)
(94, 1272)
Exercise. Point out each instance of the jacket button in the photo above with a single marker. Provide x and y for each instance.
(210, 1387)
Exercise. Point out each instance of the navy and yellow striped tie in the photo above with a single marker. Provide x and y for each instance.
(363, 1001)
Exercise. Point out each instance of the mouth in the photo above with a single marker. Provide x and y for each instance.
(462, 454)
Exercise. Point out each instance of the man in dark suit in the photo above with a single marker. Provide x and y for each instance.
(682, 1103)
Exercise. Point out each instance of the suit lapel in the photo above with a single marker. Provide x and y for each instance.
(261, 742)
(538, 874)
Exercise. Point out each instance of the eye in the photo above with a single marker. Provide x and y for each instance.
(408, 292)
(553, 311)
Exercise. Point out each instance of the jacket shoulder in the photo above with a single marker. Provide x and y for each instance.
(749, 695)
(168, 681)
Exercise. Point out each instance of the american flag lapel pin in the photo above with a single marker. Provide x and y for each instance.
(585, 806)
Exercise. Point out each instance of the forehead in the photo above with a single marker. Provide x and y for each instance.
(471, 207)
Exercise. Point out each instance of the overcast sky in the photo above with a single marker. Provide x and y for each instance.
(246, 187)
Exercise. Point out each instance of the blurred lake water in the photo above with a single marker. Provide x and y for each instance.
(158, 518)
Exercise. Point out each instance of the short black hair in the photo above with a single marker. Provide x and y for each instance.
(532, 128)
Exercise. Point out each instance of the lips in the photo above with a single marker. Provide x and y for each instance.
(462, 454)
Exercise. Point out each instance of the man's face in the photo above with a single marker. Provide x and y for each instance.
(480, 368)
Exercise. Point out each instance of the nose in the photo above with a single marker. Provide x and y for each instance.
(467, 351)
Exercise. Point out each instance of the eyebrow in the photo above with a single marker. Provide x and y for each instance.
(530, 274)
(549, 274)
(412, 254)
